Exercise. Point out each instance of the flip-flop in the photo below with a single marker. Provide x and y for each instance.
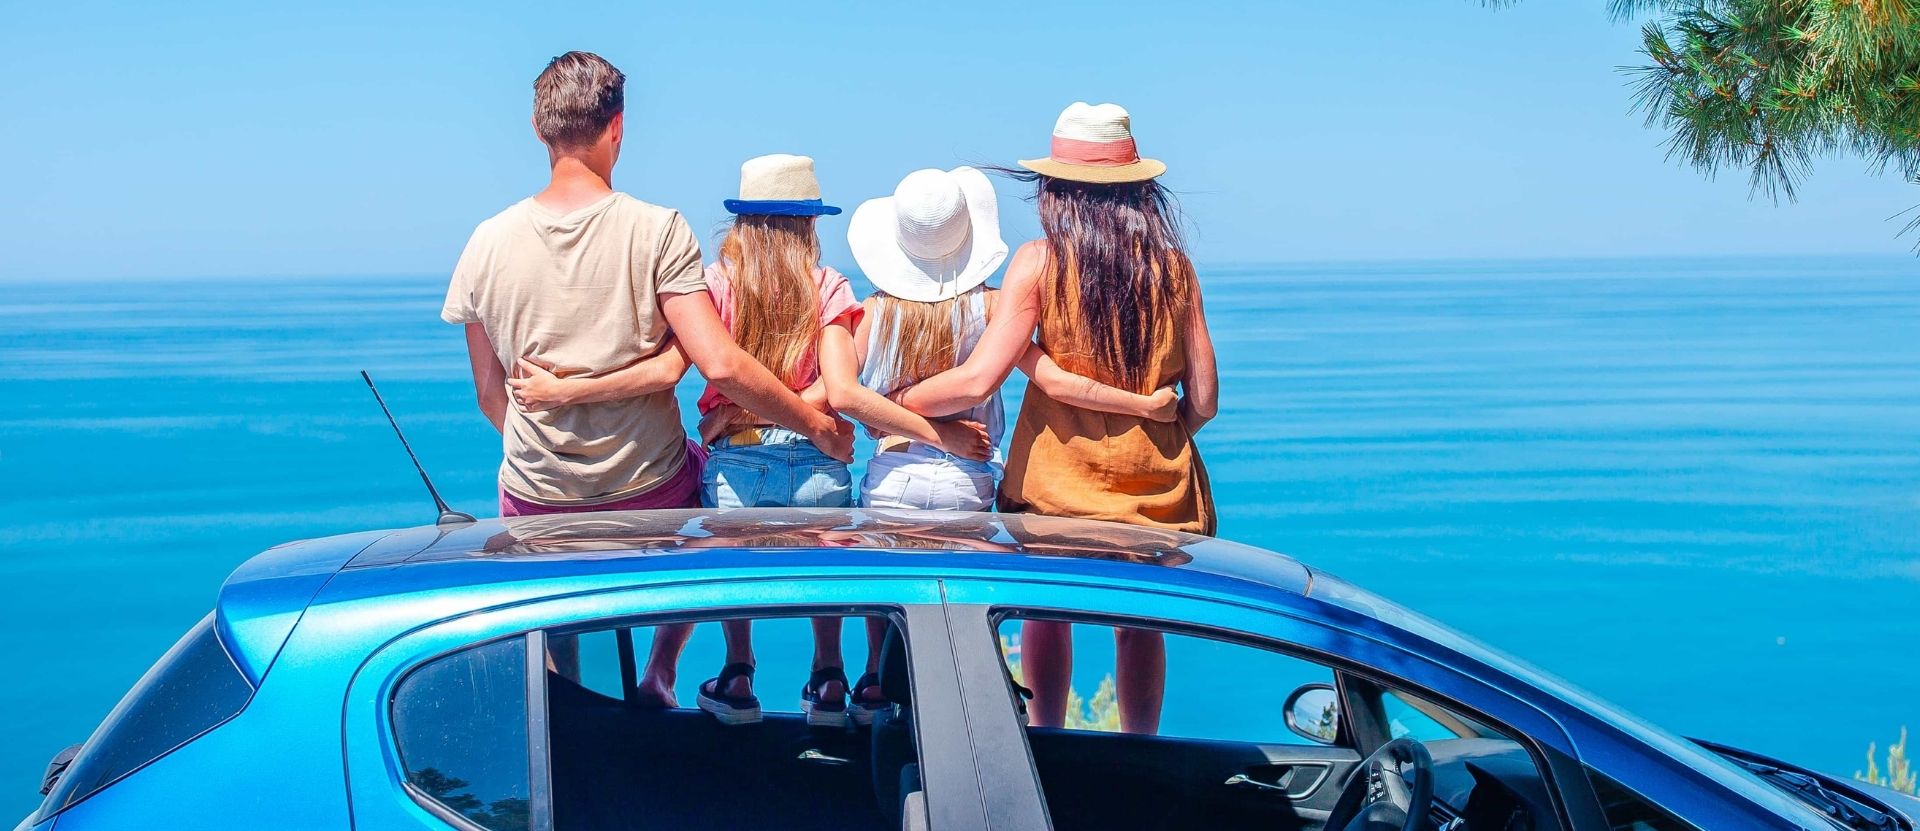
(866, 706)
(822, 712)
(729, 709)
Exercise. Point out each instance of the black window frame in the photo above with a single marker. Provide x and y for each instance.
(1559, 774)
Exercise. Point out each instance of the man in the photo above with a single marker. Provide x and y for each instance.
(582, 280)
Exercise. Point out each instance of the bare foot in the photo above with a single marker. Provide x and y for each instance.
(656, 692)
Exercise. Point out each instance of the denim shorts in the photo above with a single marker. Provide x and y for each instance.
(784, 470)
(923, 477)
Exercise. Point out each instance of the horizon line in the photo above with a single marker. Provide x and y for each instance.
(1204, 266)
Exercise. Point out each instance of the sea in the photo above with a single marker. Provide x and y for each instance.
(1691, 486)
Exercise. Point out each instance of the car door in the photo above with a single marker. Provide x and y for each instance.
(471, 723)
(1236, 761)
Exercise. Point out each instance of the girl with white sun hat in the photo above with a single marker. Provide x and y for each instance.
(929, 249)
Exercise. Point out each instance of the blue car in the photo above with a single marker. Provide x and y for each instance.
(486, 676)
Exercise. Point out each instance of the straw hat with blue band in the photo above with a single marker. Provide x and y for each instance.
(779, 185)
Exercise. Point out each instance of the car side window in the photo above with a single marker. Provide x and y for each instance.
(1236, 697)
(460, 725)
(1411, 716)
(1628, 811)
(1160, 726)
(622, 757)
(1204, 739)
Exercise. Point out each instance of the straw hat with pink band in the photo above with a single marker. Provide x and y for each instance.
(1093, 143)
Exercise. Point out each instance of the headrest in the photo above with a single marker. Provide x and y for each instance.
(895, 685)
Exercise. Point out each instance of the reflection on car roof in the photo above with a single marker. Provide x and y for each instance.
(623, 534)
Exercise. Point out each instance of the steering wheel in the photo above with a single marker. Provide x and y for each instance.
(1392, 790)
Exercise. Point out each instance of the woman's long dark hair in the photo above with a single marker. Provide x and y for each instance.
(1118, 266)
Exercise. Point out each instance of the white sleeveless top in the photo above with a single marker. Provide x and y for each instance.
(882, 370)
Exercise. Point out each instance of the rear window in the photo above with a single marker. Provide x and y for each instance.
(193, 688)
(461, 726)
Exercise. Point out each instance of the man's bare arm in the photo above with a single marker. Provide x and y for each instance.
(696, 325)
(489, 377)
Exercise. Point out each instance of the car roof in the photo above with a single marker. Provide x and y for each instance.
(262, 601)
(807, 535)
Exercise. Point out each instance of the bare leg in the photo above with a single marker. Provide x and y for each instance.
(1140, 656)
(663, 664)
(876, 640)
(739, 632)
(1046, 664)
(826, 654)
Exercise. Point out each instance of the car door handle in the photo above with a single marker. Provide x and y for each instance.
(1293, 780)
(1241, 780)
(818, 758)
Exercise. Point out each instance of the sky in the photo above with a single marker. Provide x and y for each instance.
(204, 139)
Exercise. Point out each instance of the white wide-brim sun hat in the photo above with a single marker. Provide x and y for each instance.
(937, 237)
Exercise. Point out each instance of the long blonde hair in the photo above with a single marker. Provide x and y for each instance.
(776, 306)
(924, 337)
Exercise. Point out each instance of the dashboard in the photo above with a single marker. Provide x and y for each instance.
(1487, 785)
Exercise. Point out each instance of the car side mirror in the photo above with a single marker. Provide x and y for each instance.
(1313, 711)
(56, 767)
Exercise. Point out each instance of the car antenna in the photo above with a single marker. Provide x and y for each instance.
(448, 516)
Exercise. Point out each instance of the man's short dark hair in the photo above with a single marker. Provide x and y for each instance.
(575, 98)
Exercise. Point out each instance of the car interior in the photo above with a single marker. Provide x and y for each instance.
(620, 766)
(1249, 737)
(1295, 767)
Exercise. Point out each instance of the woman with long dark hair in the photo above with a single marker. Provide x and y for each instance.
(1113, 297)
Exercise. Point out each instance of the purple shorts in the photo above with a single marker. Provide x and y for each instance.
(681, 490)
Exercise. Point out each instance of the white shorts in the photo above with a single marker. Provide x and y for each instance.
(923, 477)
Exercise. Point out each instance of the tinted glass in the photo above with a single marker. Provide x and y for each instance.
(1341, 593)
(621, 760)
(461, 726)
(1222, 713)
(1626, 811)
(1214, 689)
(1409, 715)
(194, 687)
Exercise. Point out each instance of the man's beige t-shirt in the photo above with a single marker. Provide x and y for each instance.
(580, 292)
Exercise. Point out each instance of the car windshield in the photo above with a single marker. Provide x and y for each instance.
(1346, 595)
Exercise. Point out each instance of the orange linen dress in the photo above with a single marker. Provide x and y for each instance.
(1068, 461)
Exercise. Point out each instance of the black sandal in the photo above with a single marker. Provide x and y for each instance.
(730, 709)
(868, 700)
(824, 712)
